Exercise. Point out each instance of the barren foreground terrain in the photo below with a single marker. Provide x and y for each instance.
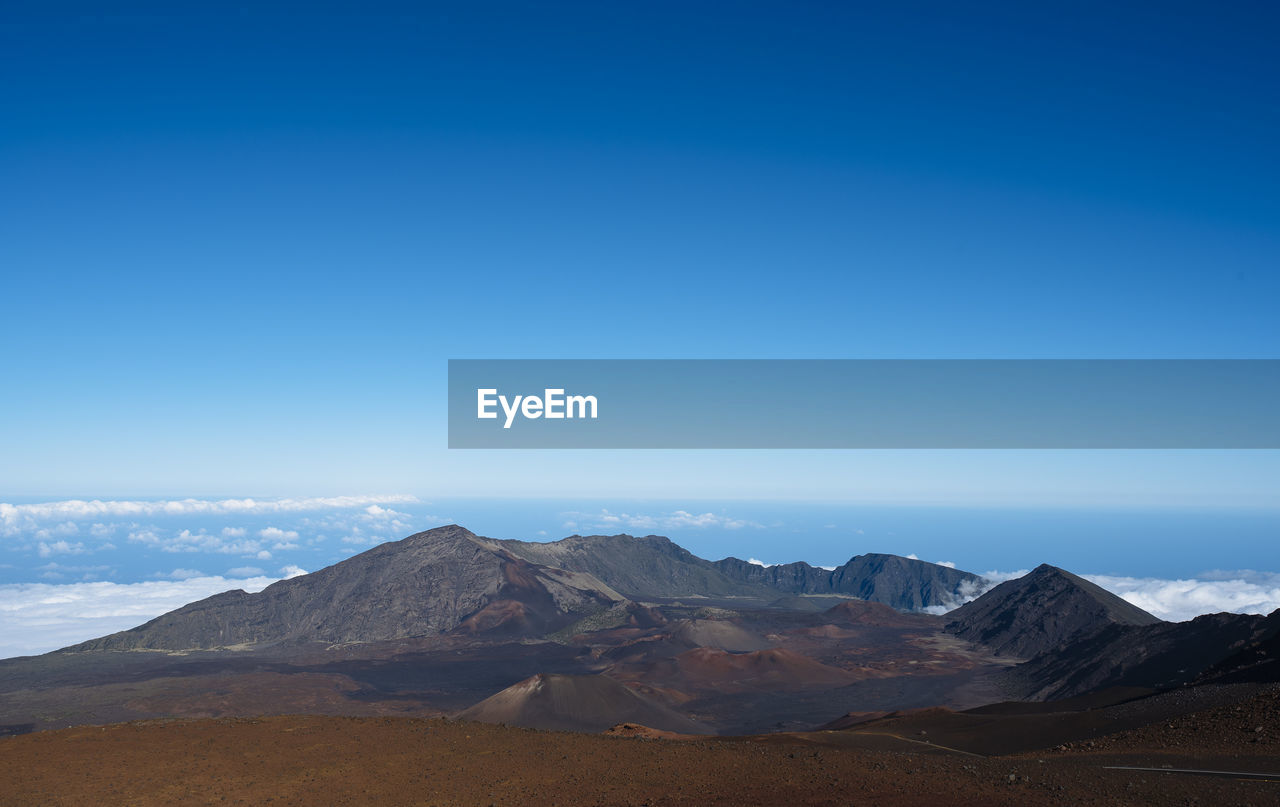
(394, 760)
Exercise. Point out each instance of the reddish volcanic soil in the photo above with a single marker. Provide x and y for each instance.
(391, 761)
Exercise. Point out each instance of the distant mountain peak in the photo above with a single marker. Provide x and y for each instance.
(1041, 610)
(431, 582)
(906, 584)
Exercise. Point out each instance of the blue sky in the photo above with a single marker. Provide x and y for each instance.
(238, 248)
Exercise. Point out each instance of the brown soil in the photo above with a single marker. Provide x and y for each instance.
(392, 761)
(775, 670)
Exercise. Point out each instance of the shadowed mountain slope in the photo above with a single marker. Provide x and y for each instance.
(1040, 611)
(903, 583)
(1257, 658)
(1156, 656)
(576, 703)
(428, 583)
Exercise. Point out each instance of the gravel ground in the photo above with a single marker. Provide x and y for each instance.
(335, 760)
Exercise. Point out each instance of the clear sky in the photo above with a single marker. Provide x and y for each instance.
(238, 246)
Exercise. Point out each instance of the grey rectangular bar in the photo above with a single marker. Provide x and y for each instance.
(857, 403)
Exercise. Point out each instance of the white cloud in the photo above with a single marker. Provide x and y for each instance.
(63, 530)
(759, 562)
(1243, 591)
(1178, 600)
(182, 574)
(970, 590)
(675, 520)
(291, 571)
(284, 539)
(200, 541)
(379, 519)
(58, 571)
(15, 518)
(39, 617)
(46, 550)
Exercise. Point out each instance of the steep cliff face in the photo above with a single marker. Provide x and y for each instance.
(653, 566)
(428, 583)
(903, 583)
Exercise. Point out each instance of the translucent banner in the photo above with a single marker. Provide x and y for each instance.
(864, 403)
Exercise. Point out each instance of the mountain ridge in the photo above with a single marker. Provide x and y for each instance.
(1042, 610)
(654, 566)
(427, 583)
(907, 584)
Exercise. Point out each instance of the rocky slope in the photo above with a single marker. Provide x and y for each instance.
(1159, 656)
(1045, 609)
(428, 583)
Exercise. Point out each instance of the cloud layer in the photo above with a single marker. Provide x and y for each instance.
(1179, 600)
(17, 517)
(675, 520)
(1243, 591)
(39, 617)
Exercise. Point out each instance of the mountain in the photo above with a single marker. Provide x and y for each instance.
(1157, 656)
(448, 579)
(654, 567)
(589, 703)
(435, 581)
(903, 583)
(1256, 658)
(792, 578)
(639, 567)
(1040, 611)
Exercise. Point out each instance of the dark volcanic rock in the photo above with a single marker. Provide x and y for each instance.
(428, 583)
(1257, 658)
(1213, 647)
(1046, 608)
(653, 566)
(793, 578)
(903, 583)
